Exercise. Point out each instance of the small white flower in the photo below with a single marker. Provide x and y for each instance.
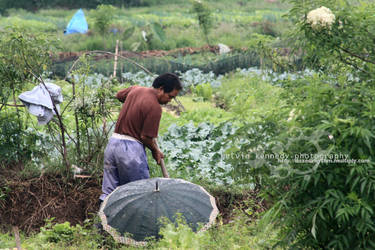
(321, 18)
(330, 137)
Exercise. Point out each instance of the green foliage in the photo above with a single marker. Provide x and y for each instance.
(4, 190)
(209, 115)
(103, 16)
(16, 144)
(196, 112)
(237, 234)
(249, 149)
(45, 4)
(196, 152)
(179, 235)
(158, 31)
(94, 43)
(30, 25)
(233, 25)
(324, 188)
(151, 36)
(323, 185)
(347, 41)
(203, 90)
(250, 98)
(83, 42)
(11, 137)
(128, 33)
(88, 115)
(204, 16)
(57, 232)
(7, 240)
(63, 236)
(23, 56)
(89, 100)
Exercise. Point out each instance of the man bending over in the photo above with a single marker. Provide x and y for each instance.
(137, 126)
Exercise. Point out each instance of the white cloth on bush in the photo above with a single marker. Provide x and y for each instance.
(39, 103)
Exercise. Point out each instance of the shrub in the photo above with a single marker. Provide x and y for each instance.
(326, 187)
(103, 16)
(16, 145)
(325, 190)
(204, 16)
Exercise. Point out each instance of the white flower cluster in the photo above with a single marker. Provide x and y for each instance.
(321, 18)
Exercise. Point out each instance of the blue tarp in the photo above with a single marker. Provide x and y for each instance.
(77, 24)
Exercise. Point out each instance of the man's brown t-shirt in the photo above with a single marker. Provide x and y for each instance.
(140, 114)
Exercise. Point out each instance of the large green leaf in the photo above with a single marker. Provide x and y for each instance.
(128, 33)
(159, 32)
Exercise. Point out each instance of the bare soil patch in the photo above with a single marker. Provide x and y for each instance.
(29, 202)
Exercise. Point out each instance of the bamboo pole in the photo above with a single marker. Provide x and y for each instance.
(121, 64)
(162, 165)
(164, 169)
(115, 63)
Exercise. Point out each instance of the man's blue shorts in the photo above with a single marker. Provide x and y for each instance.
(124, 161)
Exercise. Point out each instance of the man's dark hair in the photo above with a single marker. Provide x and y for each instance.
(168, 82)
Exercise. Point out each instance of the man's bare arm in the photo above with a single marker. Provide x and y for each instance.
(151, 144)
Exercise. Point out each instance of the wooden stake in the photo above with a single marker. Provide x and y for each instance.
(115, 64)
(17, 237)
(121, 65)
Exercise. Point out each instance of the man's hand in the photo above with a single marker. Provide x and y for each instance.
(151, 144)
(158, 155)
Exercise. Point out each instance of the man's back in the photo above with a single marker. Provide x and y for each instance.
(140, 114)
